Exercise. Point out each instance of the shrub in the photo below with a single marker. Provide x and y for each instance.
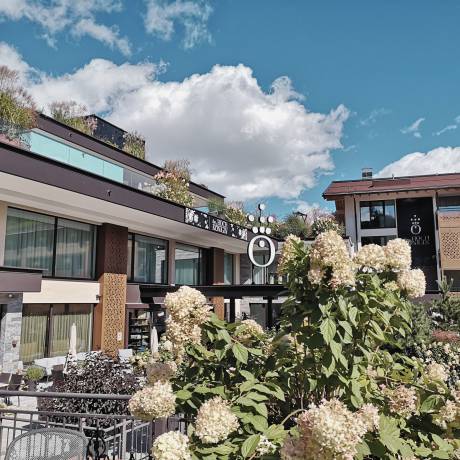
(97, 374)
(17, 109)
(232, 211)
(324, 223)
(445, 310)
(334, 383)
(174, 182)
(34, 373)
(74, 115)
(134, 144)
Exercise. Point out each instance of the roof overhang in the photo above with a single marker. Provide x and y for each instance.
(15, 280)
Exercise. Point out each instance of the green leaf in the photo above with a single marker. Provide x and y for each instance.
(261, 408)
(247, 375)
(224, 335)
(275, 432)
(240, 352)
(250, 445)
(352, 314)
(336, 349)
(183, 395)
(346, 327)
(259, 423)
(328, 329)
(430, 403)
(256, 396)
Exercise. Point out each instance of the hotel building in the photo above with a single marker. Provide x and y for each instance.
(422, 209)
(80, 229)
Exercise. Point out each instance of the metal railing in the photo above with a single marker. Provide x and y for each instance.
(110, 437)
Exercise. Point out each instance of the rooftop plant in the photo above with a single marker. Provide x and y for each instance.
(134, 144)
(74, 115)
(174, 181)
(333, 384)
(232, 211)
(17, 108)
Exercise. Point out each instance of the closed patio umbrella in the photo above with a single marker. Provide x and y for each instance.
(154, 340)
(73, 341)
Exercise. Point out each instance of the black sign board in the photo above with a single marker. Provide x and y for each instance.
(416, 224)
(207, 222)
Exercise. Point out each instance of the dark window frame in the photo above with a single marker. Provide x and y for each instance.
(383, 204)
(130, 275)
(53, 266)
(203, 262)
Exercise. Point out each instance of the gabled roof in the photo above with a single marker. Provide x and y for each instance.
(395, 184)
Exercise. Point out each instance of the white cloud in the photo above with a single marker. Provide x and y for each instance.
(450, 127)
(437, 161)
(241, 140)
(108, 35)
(76, 16)
(163, 15)
(372, 117)
(414, 128)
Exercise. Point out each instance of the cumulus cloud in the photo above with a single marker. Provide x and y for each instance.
(76, 16)
(437, 161)
(242, 141)
(163, 16)
(414, 128)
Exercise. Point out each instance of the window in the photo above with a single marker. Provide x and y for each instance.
(449, 203)
(228, 269)
(62, 248)
(453, 276)
(378, 214)
(147, 259)
(29, 240)
(190, 265)
(380, 240)
(45, 329)
(74, 249)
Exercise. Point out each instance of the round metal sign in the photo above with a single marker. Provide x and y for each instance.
(262, 241)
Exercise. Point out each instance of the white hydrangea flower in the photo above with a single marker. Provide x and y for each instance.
(215, 421)
(265, 447)
(171, 446)
(437, 372)
(287, 253)
(401, 400)
(328, 432)
(371, 257)
(369, 415)
(249, 330)
(153, 401)
(330, 252)
(188, 310)
(398, 254)
(412, 282)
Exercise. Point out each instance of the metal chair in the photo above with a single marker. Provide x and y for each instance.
(48, 444)
(15, 384)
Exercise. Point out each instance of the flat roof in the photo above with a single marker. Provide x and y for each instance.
(392, 184)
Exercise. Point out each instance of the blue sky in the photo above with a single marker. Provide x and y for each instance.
(388, 67)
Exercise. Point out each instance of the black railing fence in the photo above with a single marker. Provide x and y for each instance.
(110, 437)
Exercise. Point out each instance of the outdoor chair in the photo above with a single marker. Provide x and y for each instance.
(48, 444)
(15, 384)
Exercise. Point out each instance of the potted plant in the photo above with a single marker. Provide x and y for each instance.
(33, 375)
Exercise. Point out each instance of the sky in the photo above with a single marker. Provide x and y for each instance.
(270, 100)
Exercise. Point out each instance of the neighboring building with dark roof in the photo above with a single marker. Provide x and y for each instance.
(422, 209)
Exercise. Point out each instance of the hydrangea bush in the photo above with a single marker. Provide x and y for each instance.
(334, 383)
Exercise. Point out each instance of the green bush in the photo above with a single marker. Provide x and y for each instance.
(34, 373)
(335, 383)
(134, 144)
(74, 115)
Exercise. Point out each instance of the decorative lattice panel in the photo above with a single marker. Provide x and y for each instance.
(113, 312)
(450, 248)
(449, 220)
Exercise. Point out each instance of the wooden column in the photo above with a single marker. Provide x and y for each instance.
(111, 268)
(216, 275)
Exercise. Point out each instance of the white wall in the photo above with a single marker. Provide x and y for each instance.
(57, 291)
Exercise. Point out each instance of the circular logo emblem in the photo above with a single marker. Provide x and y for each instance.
(261, 237)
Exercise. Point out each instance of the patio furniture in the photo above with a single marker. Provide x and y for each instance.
(57, 373)
(15, 384)
(48, 444)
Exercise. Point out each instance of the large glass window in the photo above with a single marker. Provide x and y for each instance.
(29, 240)
(228, 269)
(74, 249)
(147, 259)
(449, 203)
(378, 214)
(45, 330)
(190, 265)
(62, 248)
